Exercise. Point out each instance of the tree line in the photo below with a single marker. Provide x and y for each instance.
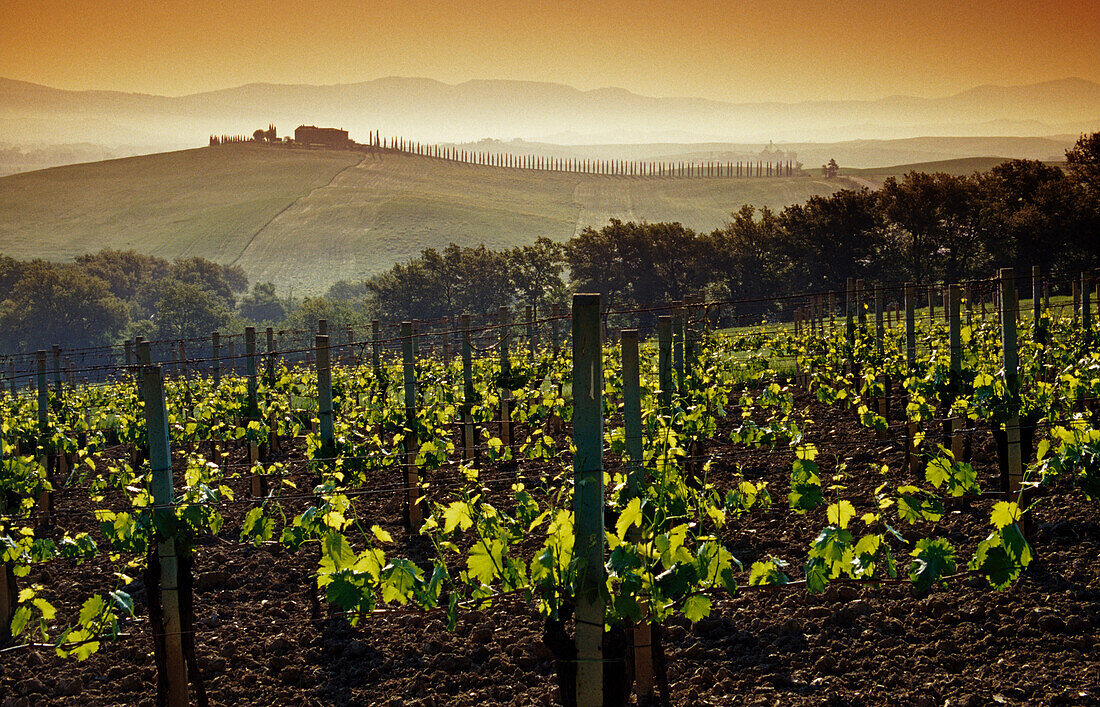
(923, 227)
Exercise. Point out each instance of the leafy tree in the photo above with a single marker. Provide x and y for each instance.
(436, 284)
(54, 304)
(751, 257)
(596, 263)
(934, 220)
(186, 310)
(125, 271)
(339, 315)
(1028, 213)
(834, 237)
(638, 263)
(263, 304)
(535, 272)
(1083, 162)
(348, 290)
(224, 281)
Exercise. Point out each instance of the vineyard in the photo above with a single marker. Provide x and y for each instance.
(885, 495)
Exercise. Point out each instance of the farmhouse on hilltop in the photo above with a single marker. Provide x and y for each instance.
(312, 136)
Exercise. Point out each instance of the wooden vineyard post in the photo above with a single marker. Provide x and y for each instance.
(910, 365)
(128, 352)
(376, 353)
(216, 343)
(1086, 311)
(60, 458)
(861, 311)
(269, 367)
(1012, 475)
(664, 362)
(57, 375)
(1036, 301)
(555, 312)
(9, 585)
(505, 378)
(632, 409)
(1037, 328)
(632, 423)
(45, 499)
(9, 599)
(678, 344)
(849, 318)
(413, 514)
(880, 336)
(258, 482)
(832, 313)
(269, 371)
(445, 345)
(468, 431)
(350, 357)
(931, 306)
(169, 634)
(588, 497)
(954, 320)
(326, 454)
(531, 341)
(139, 345)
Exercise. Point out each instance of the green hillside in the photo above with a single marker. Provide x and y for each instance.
(961, 167)
(304, 219)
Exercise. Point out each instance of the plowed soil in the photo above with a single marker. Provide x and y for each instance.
(964, 644)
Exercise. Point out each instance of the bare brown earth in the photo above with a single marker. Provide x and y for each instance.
(965, 644)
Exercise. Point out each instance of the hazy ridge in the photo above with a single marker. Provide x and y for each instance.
(429, 110)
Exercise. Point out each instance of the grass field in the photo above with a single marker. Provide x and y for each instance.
(306, 219)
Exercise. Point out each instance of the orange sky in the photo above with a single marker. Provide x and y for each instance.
(784, 50)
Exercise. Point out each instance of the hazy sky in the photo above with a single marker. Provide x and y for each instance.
(784, 50)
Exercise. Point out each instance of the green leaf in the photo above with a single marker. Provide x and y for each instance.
(401, 578)
(840, 513)
(383, 536)
(1005, 513)
(631, 515)
(344, 591)
(766, 572)
(934, 558)
(817, 575)
(336, 553)
(832, 545)
(696, 607)
(485, 560)
(123, 601)
(84, 650)
(457, 515)
(91, 610)
(19, 621)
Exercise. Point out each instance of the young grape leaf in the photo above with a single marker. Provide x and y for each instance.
(696, 607)
(934, 558)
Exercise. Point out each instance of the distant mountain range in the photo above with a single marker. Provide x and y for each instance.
(432, 111)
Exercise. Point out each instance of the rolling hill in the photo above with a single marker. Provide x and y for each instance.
(305, 219)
